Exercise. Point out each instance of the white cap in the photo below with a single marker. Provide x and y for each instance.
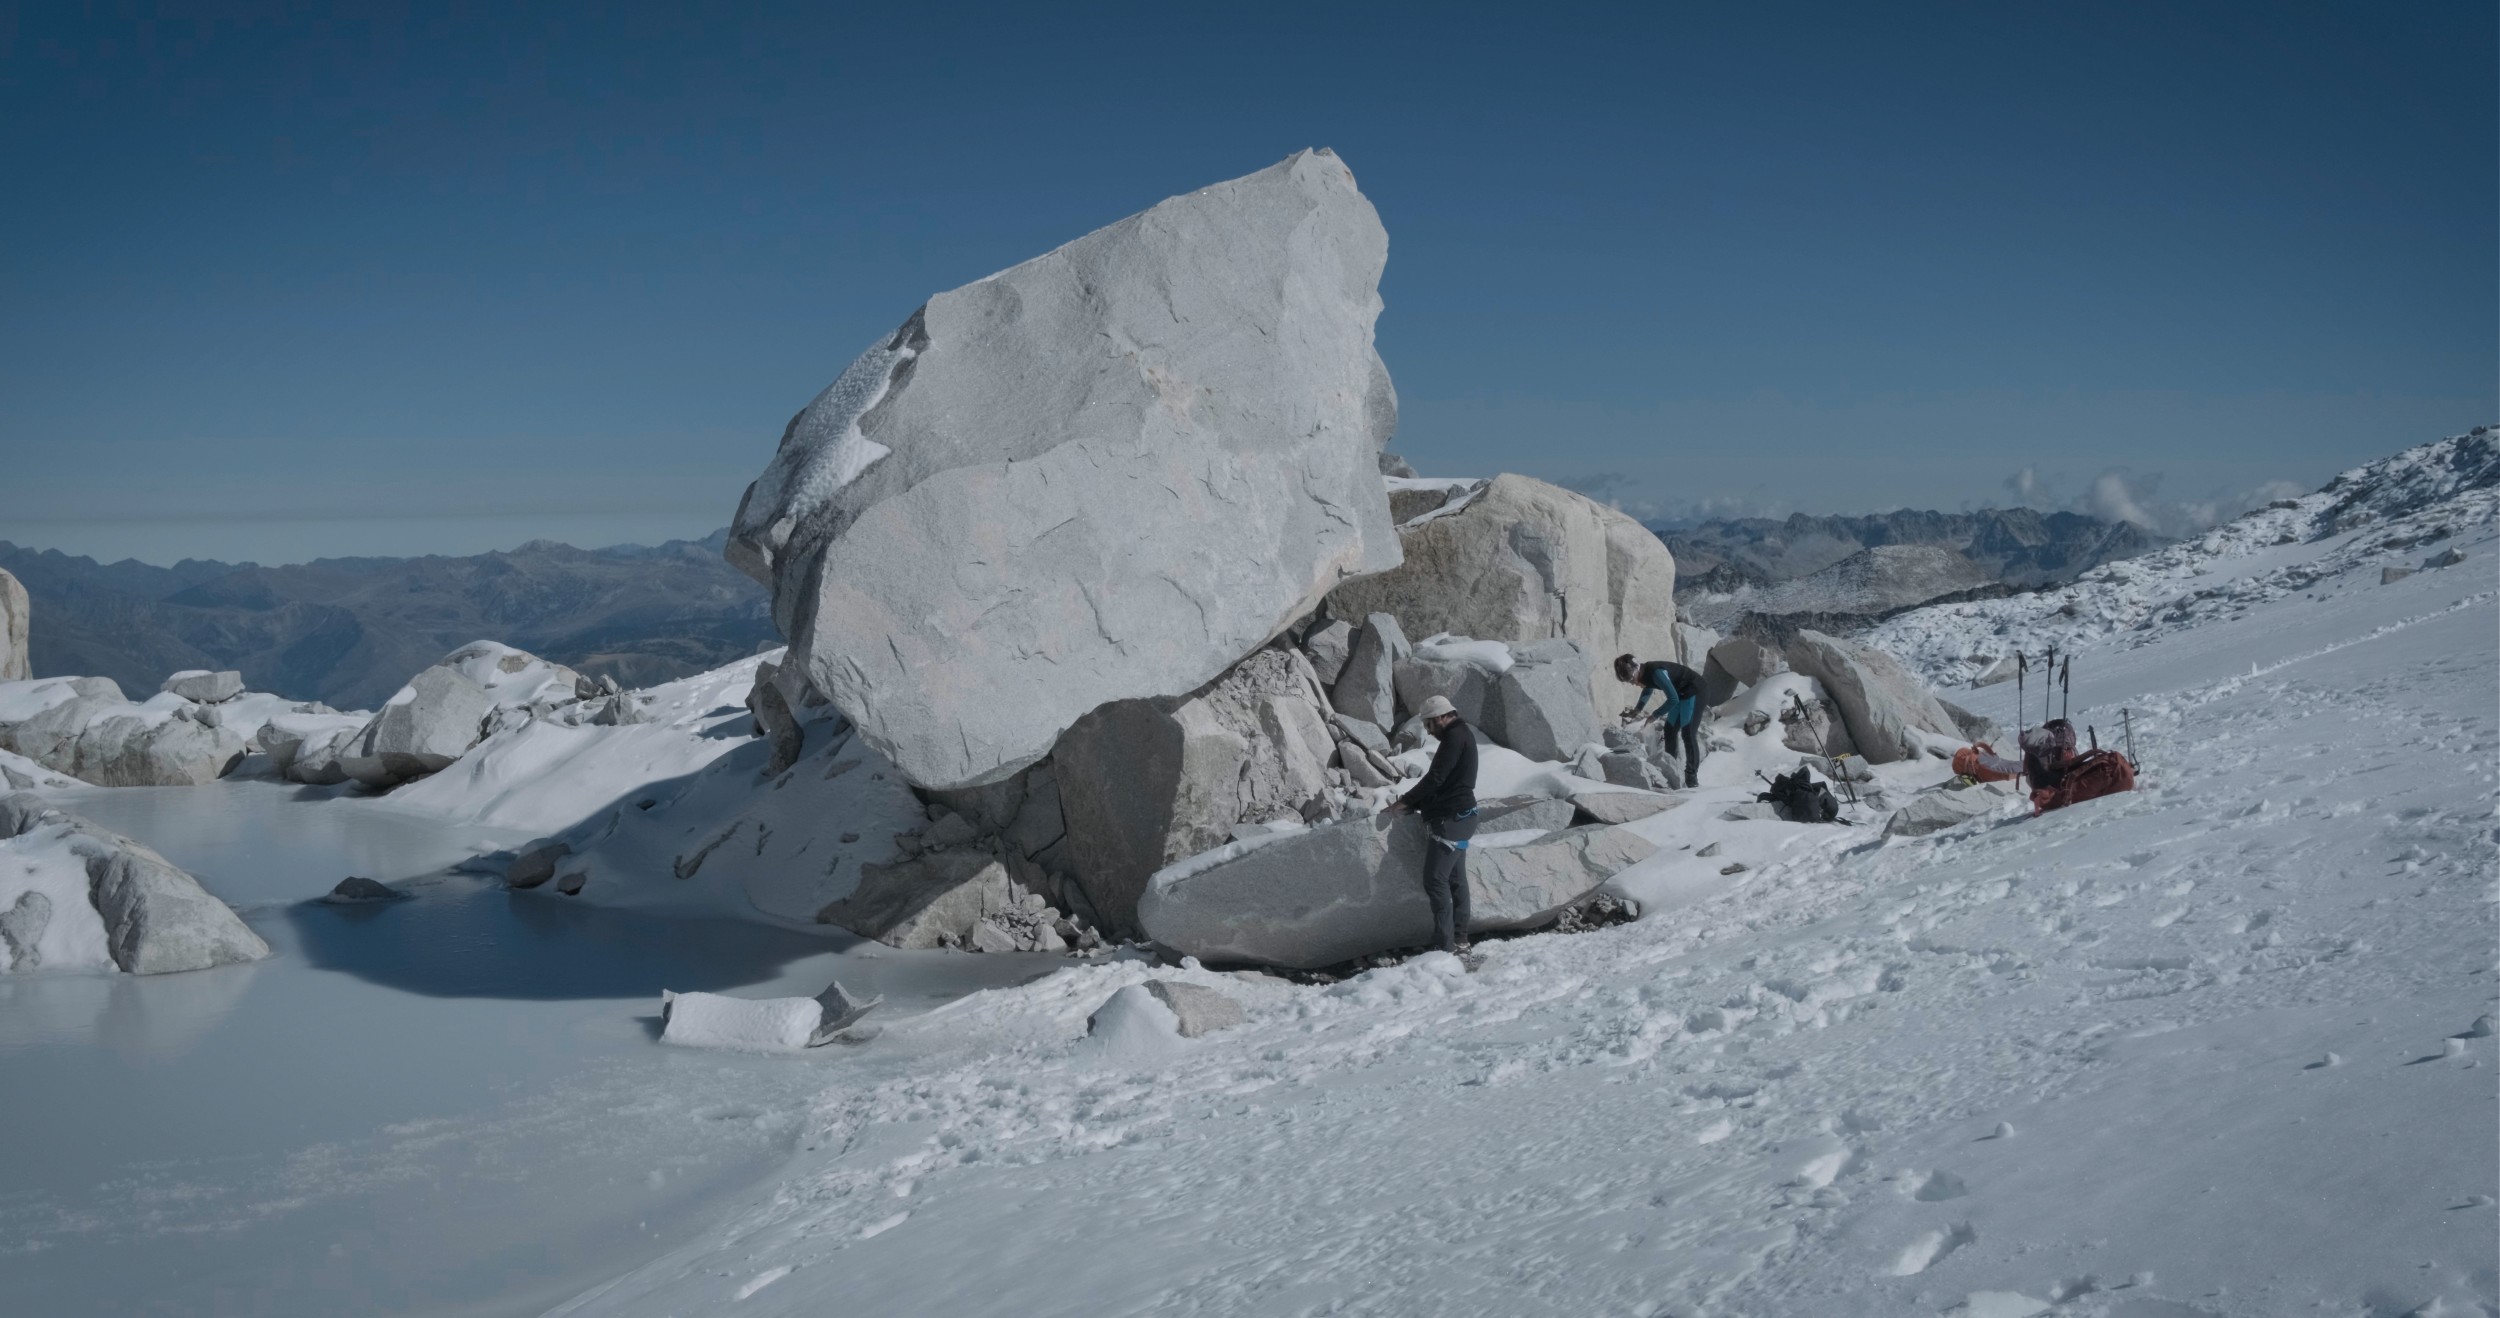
(1436, 707)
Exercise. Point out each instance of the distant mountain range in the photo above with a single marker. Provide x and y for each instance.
(1847, 571)
(2019, 546)
(350, 631)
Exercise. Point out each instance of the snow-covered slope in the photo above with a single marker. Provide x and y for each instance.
(2396, 512)
(674, 813)
(2217, 1047)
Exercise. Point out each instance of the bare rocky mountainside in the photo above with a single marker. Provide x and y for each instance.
(1759, 575)
(349, 631)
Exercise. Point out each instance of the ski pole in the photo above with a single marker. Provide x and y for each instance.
(2126, 719)
(2066, 688)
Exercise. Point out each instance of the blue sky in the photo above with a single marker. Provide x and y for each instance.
(310, 281)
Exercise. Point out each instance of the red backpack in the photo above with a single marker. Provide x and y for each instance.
(2095, 773)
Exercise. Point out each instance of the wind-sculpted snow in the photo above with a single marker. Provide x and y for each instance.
(2210, 1047)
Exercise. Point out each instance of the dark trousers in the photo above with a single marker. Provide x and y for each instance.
(1692, 749)
(1445, 879)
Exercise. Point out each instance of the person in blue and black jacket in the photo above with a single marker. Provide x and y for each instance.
(1679, 690)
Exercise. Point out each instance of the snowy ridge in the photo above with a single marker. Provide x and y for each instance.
(2378, 515)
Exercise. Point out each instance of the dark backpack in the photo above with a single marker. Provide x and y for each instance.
(1799, 799)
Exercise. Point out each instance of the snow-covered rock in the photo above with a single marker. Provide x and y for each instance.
(1930, 812)
(1520, 560)
(82, 727)
(714, 1020)
(431, 722)
(203, 686)
(1314, 897)
(1196, 1009)
(1883, 706)
(14, 617)
(107, 899)
(1461, 669)
(1105, 474)
(1621, 807)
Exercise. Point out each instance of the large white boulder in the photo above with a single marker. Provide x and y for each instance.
(1521, 560)
(429, 723)
(1322, 896)
(1542, 706)
(1105, 474)
(1883, 707)
(1143, 783)
(204, 686)
(14, 611)
(447, 709)
(156, 918)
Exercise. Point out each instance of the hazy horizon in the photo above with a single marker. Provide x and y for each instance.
(303, 285)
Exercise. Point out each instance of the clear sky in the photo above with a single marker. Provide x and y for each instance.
(443, 278)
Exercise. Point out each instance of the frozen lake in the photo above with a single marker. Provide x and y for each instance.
(448, 1105)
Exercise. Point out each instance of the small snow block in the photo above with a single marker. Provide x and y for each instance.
(710, 1020)
(2388, 576)
(355, 888)
(2444, 558)
(1199, 1010)
(1737, 814)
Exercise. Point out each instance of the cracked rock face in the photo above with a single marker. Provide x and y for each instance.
(1104, 474)
(13, 619)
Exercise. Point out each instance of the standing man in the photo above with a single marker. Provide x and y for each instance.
(1679, 692)
(1446, 799)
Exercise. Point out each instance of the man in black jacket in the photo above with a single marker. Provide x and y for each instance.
(1446, 799)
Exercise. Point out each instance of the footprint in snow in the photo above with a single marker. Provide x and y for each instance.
(1930, 1249)
(1939, 1186)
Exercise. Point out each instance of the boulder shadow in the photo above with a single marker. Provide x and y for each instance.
(496, 944)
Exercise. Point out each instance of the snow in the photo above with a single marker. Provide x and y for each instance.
(1132, 1031)
(713, 1020)
(1181, 869)
(2074, 1064)
(2023, 1064)
(41, 860)
(516, 679)
(22, 700)
(1491, 656)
